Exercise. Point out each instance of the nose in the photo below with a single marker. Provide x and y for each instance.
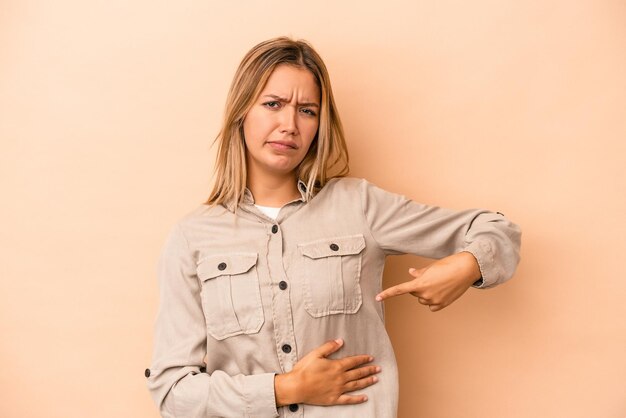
(288, 123)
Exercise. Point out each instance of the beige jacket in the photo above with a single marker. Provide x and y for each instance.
(251, 295)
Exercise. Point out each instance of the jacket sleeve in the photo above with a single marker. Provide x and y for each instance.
(400, 226)
(176, 378)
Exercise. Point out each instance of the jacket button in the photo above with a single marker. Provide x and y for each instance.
(293, 407)
(334, 247)
(274, 229)
(221, 266)
(286, 348)
(147, 373)
(282, 285)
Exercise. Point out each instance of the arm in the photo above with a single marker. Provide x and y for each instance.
(400, 226)
(175, 381)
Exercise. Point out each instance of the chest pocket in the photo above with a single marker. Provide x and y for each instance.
(231, 298)
(331, 271)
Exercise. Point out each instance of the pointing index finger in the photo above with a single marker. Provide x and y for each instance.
(400, 289)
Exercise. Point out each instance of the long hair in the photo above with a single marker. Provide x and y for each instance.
(327, 156)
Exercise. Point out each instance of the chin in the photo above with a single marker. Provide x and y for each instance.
(281, 167)
(282, 170)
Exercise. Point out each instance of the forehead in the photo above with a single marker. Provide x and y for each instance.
(287, 80)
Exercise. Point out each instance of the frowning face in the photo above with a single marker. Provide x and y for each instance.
(282, 122)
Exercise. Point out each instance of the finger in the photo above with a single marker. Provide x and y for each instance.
(400, 289)
(361, 372)
(351, 362)
(360, 384)
(435, 308)
(350, 399)
(423, 301)
(329, 347)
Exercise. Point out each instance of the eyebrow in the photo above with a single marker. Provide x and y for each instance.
(284, 100)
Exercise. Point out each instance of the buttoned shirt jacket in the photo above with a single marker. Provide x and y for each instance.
(251, 295)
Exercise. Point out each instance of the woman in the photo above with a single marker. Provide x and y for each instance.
(270, 299)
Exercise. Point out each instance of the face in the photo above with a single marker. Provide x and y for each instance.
(282, 122)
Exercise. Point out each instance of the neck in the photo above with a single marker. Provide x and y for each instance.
(274, 191)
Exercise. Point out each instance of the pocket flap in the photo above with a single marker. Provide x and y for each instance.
(225, 264)
(328, 247)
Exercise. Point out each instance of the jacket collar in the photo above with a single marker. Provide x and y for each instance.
(248, 199)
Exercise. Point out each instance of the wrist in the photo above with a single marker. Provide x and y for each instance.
(473, 268)
(285, 389)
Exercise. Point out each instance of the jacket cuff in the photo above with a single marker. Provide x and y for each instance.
(483, 252)
(259, 395)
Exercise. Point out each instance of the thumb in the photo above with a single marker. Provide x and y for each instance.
(329, 347)
(417, 272)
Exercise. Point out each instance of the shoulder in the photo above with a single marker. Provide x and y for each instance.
(350, 191)
(353, 186)
(337, 188)
(345, 185)
(199, 215)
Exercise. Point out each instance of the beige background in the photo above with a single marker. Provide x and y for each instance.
(107, 111)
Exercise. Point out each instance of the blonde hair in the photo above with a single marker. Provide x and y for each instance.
(327, 156)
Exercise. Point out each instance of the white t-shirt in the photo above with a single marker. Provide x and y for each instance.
(269, 211)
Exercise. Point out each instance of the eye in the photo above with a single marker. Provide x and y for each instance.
(309, 112)
(271, 105)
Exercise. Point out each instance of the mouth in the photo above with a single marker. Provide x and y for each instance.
(282, 145)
